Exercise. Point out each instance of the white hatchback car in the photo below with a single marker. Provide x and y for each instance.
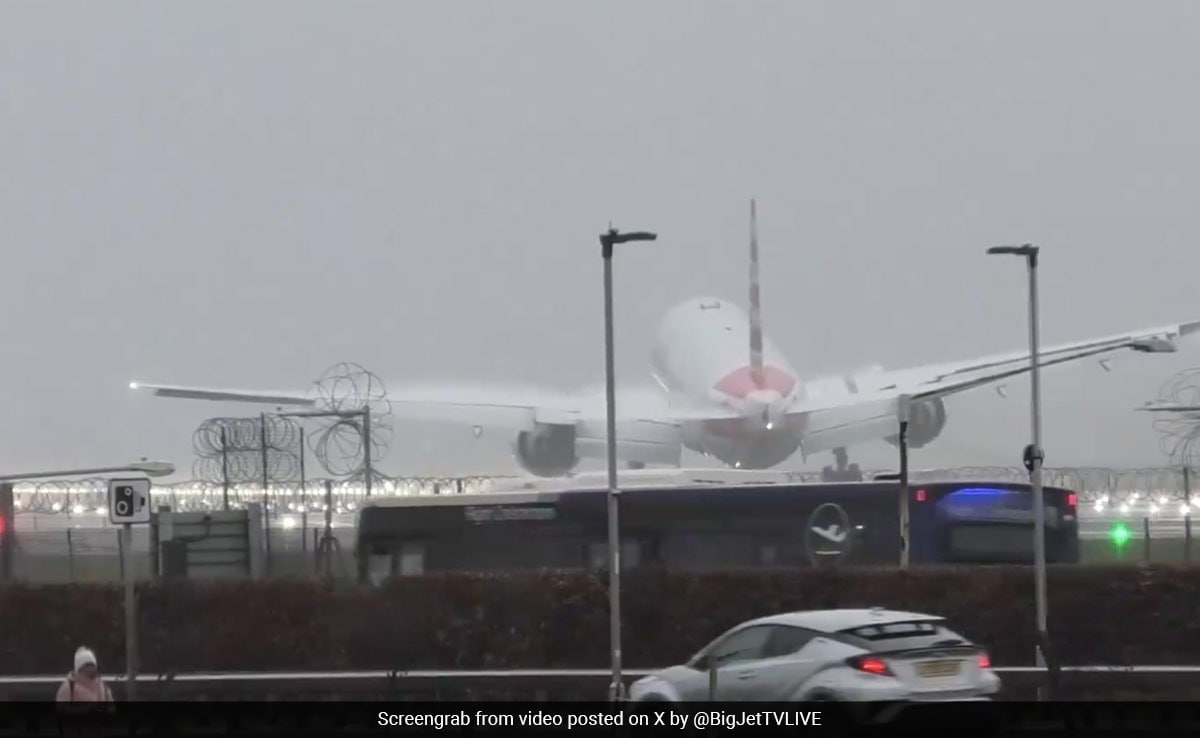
(876, 661)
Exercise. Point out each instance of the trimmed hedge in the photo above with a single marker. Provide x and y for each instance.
(1098, 615)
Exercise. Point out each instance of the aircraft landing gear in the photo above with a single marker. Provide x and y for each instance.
(845, 472)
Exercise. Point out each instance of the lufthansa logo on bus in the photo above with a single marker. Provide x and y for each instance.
(829, 534)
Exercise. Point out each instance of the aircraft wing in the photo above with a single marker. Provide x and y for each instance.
(873, 410)
(939, 380)
(266, 397)
(649, 430)
(521, 406)
(517, 407)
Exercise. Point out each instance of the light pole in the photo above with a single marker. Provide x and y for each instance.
(1033, 453)
(616, 690)
(325, 548)
(905, 516)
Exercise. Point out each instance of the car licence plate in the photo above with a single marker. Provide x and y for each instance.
(941, 668)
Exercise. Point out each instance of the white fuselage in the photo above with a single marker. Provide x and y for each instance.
(701, 358)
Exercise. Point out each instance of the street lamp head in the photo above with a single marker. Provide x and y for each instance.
(613, 236)
(632, 236)
(1024, 250)
(153, 468)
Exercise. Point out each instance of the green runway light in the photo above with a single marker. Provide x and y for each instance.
(1119, 535)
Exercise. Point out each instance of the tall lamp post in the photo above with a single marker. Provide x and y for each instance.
(1033, 453)
(608, 239)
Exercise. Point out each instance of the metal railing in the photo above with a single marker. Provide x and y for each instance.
(1149, 681)
(508, 674)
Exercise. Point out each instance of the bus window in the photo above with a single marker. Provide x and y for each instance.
(412, 560)
(380, 567)
(598, 555)
(770, 555)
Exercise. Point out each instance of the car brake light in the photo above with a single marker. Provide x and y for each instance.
(871, 665)
(984, 661)
(1072, 499)
(920, 495)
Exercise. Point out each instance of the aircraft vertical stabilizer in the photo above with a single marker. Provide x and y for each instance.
(756, 331)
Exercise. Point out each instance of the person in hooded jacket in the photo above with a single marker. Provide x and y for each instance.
(84, 700)
(84, 683)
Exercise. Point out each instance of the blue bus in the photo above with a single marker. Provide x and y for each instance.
(706, 526)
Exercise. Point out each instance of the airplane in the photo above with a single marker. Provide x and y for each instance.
(724, 390)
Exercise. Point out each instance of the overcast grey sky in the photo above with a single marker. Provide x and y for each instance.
(243, 194)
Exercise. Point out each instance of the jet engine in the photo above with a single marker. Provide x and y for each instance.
(925, 423)
(547, 451)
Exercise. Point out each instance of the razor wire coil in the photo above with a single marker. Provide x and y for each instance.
(1179, 435)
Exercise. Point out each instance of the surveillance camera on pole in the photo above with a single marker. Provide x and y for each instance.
(129, 505)
(129, 501)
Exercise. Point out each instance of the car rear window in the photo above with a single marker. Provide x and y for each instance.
(891, 637)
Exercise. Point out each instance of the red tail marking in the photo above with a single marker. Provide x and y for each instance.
(742, 382)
